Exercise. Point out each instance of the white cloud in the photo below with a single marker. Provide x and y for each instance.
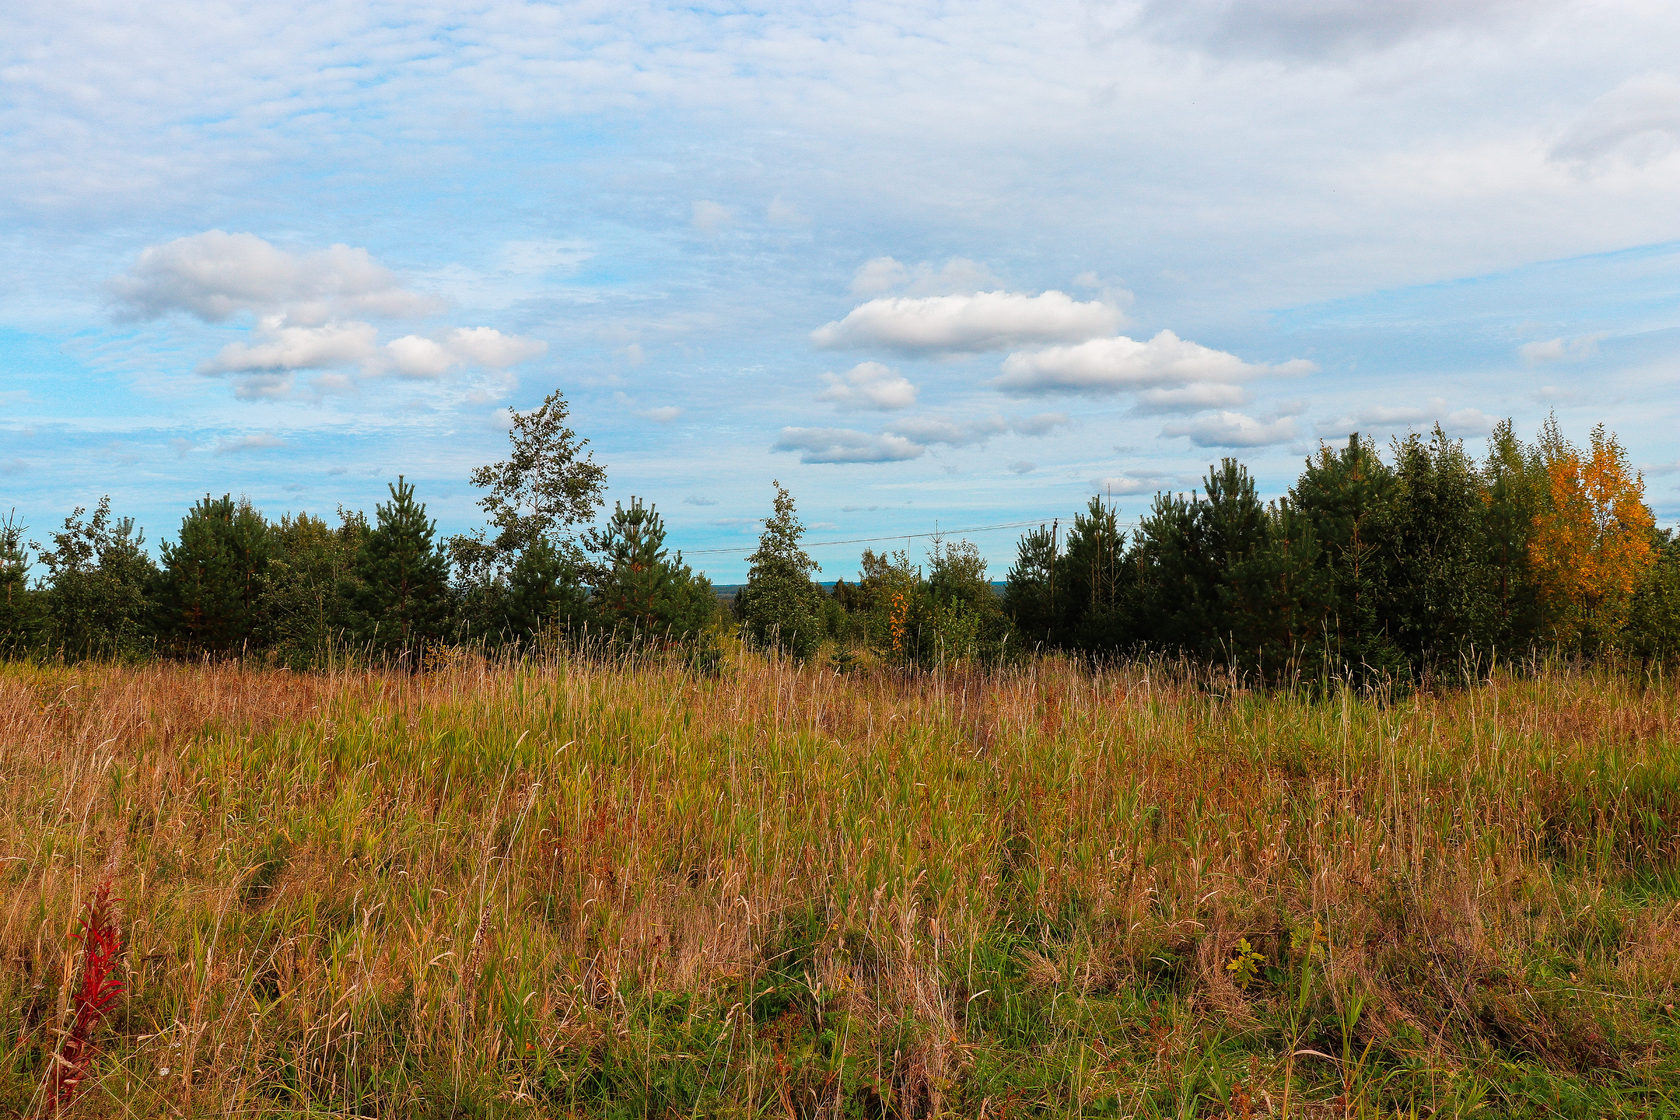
(661, 414)
(1560, 349)
(869, 385)
(928, 430)
(1392, 418)
(1022, 466)
(486, 346)
(1127, 484)
(958, 324)
(1637, 123)
(1234, 429)
(844, 445)
(282, 347)
(879, 274)
(1191, 398)
(909, 438)
(1120, 364)
(309, 309)
(215, 275)
(709, 217)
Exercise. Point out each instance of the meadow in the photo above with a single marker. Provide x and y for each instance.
(573, 888)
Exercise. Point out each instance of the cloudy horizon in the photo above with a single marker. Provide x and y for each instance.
(927, 265)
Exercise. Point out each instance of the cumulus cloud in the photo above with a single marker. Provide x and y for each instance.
(1234, 429)
(309, 310)
(1119, 364)
(416, 356)
(282, 347)
(869, 385)
(1560, 349)
(844, 445)
(965, 324)
(1040, 424)
(216, 275)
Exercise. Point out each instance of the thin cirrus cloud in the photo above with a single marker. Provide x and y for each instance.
(1119, 364)
(969, 324)
(311, 312)
(869, 385)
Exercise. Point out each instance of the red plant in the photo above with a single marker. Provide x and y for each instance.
(100, 986)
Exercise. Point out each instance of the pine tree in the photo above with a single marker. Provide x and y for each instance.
(1093, 581)
(20, 615)
(1347, 497)
(780, 607)
(213, 576)
(402, 599)
(1029, 593)
(642, 594)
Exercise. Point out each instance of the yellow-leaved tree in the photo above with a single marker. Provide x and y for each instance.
(1592, 537)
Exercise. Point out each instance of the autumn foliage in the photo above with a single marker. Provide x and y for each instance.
(1592, 537)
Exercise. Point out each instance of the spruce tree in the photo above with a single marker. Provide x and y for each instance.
(19, 603)
(402, 597)
(213, 577)
(780, 607)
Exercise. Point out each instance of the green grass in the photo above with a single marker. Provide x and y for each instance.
(582, 890)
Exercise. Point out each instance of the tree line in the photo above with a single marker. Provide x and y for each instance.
(1373, 566)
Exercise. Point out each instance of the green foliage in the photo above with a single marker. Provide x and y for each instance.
(20, 604)
(547, 487)
(1653, 630)
(780, 608)
(1029, 596)
(99, 582)
(641, 594)
(209, 594)
(310, 586)
(401, 598)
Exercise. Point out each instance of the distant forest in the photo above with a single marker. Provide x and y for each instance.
(1379, 564)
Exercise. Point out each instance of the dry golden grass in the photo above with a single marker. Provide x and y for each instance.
(580, 889)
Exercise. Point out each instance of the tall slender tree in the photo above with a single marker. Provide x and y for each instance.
(780, 607)
(402, 597)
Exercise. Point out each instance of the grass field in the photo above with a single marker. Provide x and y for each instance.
(583, 890)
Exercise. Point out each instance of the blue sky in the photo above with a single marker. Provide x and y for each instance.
(925, 263)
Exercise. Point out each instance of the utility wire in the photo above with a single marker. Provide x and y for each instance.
(748, 550)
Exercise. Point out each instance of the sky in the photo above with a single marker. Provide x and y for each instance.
(929, 265)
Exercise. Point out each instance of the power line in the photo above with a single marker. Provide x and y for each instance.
(747, 551)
